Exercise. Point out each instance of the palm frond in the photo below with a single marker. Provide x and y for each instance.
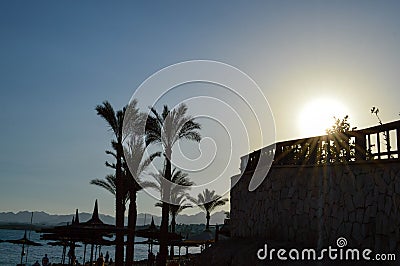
(108, 183)
(111, 165)
(106, 111)
(171, 126)
(208, 200)
(134, 120)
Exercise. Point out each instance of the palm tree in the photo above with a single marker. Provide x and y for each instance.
(134, 153)
(208, 201)
(180, 183)
(177, 205)
(108, 183)
(115, 121)
(167, 128)
(178, 195)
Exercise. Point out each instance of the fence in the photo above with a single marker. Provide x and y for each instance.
(375, 143)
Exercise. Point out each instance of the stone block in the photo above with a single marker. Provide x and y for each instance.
(358, 200)
(392, 244)
(359, 215)
(340, 214)
(373, 210)
(369, 199)
(357, 233)
(397, 187)
(369, 183)
(380, 184)
(347, 228)
(381, 202)
(386, 177)
(388, 205)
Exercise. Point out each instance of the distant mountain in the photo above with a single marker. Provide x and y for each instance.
(47, 219)
(44, 218)
(199, 218)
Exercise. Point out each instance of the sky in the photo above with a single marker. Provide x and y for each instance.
(59, 59)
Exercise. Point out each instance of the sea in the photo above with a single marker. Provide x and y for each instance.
(10, 254)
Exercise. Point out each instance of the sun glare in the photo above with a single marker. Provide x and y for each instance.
(317, 115)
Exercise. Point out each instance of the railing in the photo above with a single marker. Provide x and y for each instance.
(375, 143)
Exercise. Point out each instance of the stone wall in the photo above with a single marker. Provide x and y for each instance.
(314, 205)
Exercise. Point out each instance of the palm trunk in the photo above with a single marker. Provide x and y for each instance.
(162, 258)
(173, 225)
(208, 220)
(130, 248)
(119, 209)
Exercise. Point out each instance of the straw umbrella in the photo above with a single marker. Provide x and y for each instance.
(90, 232)
(24, 242)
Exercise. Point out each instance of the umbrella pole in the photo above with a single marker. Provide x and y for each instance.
(29, 236)
(73, 253)
(91, 255)
(63, 254)
(22, 252)
(84, 254)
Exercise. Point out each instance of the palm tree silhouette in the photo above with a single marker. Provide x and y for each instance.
(115, 121)
(178, 195)
(134, 153)
(167, 128)
(180, 183)
(109, 182)
(177, 205)
(208, 201)
(132, 184)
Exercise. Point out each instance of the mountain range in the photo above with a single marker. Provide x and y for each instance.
(43, 218)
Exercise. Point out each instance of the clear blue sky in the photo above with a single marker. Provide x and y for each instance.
(59, 59)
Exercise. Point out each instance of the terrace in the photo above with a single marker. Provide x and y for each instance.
(374, 143)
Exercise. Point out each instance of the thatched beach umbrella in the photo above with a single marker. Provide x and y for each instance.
(90, 232)
(149, 233)
(24, 242)
(204, 238)
(152, 233)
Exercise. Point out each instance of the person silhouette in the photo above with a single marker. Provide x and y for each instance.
(36, 263)
(107, 257)
(100, 260)
(45, 260)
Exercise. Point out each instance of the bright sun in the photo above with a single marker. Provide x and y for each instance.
(318, 115)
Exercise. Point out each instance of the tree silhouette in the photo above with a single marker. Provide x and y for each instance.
(134, 157)
(208, 201)
(167, 128)
(115, 122)
(340, 147)
(178, 195)
(375, 111)
(109, 182)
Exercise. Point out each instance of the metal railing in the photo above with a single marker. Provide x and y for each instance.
(375, 143)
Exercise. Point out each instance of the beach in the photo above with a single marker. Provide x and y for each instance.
(11, 253)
